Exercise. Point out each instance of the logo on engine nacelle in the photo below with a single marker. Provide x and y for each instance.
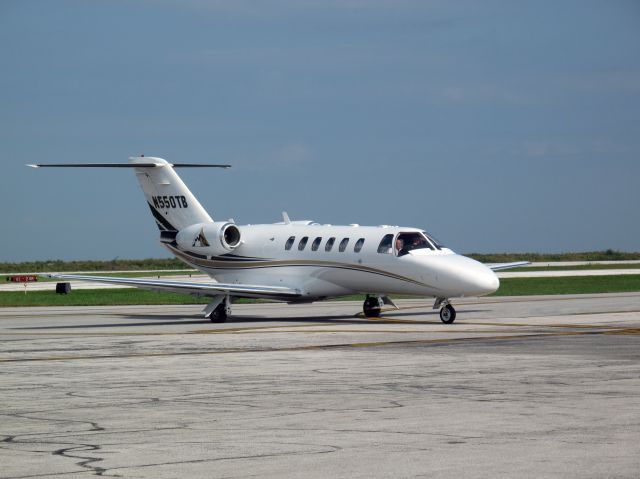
(200, 240)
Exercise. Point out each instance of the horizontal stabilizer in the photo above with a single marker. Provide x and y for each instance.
(198, 165)
(127, 165)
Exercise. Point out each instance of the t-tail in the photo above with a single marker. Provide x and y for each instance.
(182, 220)
(173, 206)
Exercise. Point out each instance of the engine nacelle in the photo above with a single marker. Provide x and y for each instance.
(210, 239)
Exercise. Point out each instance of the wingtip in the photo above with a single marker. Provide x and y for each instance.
(33, 166)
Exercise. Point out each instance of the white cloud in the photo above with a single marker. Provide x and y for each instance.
(286, 156)
(292, 154)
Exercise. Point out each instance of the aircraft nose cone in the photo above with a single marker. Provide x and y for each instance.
(467, 277)
(486, 281)
(476, 279)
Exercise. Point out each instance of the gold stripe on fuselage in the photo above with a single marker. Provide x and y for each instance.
(267, 263)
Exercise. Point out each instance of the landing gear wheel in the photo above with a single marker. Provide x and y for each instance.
(219, 315)
(447, 314)
(371, 307)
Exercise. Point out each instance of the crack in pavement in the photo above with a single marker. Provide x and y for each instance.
(85, 462)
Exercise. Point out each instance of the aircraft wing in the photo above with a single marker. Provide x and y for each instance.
(185, 287)
(501, 266)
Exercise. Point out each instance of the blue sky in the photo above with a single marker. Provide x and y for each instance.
(496, 125)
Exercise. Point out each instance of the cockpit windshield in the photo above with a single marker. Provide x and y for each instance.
(435, 242)
(406, 242)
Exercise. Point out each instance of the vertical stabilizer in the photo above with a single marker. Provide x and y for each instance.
(172, 204)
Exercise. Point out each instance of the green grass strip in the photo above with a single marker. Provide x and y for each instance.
(569, 285)
(95, 297)
(129, 296)
(126, 274)
(91, 265)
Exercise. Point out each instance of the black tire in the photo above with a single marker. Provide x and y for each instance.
(219, 315)
(371, 307)
(447, 314)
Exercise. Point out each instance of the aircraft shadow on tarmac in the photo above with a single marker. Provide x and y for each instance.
(173, 320)
(181, 320)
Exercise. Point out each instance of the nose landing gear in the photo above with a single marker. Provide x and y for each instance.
(447, 312)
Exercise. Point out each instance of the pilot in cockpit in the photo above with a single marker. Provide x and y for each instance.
(419, 242)
(408, 242)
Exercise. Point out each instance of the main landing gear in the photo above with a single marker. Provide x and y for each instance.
(218, 310)
(447, 312)
(372, 306)
(219, 314)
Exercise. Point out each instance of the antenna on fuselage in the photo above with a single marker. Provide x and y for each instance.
(285, 218)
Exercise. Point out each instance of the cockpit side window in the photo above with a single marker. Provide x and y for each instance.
(406, 242)
(358, 245)
(385, 245)
(289, 243)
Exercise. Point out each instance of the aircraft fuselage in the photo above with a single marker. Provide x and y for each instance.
(343, 269)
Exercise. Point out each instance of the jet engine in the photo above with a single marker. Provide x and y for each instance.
(210, 239)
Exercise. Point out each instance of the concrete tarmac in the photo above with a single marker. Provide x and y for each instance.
(203, 278)
(517, 387)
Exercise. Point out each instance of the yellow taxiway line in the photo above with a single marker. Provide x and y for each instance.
(425, 342)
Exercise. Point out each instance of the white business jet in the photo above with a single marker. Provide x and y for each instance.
(294, 261)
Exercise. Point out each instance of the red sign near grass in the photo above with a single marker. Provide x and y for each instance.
(23, 278)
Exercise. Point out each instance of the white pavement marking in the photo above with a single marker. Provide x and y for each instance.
(578, 263)
(568, 272)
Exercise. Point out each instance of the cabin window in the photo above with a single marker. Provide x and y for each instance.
(358, 245)
(289, 243)
(329, 244)
(303, 243)
(343, 245)
(316, 243)
(385, 245)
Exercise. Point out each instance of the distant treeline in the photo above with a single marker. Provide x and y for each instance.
(172, 263)
(607, 255)
(113, 265)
